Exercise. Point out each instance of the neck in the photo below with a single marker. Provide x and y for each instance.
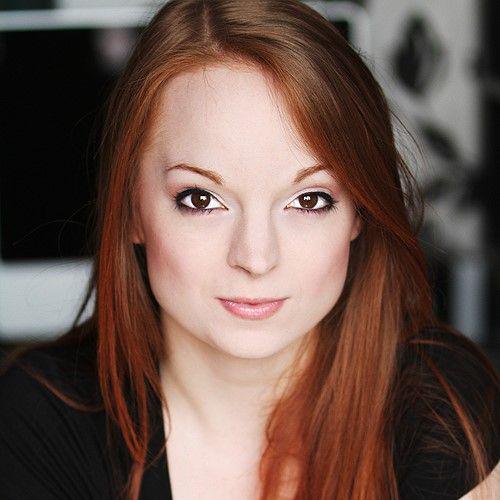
(224, 400)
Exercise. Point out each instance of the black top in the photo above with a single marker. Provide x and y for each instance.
(49, 450)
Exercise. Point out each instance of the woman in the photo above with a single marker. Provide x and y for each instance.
(248, 154)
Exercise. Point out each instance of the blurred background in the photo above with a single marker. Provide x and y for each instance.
(437, 60)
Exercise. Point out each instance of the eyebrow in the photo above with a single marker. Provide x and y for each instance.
(215, 177)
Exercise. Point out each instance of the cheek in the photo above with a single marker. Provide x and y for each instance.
(323, 273)
(176, 263)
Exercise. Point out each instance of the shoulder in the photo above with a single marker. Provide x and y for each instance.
(458, 365)
(444, 378)
(69, 369)
(447, 367)
(49, 449)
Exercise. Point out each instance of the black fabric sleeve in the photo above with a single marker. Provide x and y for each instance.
(430, 462)
(48, 450)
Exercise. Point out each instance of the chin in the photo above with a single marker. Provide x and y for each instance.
(251, 345)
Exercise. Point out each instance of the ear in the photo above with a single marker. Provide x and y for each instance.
(356, 227)
(137, 233)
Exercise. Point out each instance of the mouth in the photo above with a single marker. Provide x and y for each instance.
(260, 308)
(258, 300)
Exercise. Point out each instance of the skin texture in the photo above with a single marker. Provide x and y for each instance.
(222, 369)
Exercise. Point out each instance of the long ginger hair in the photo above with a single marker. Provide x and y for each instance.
(336, 421)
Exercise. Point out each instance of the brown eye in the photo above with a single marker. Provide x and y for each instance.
(309, 200)
(200, 199)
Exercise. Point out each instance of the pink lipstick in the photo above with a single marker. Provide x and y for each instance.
(254, 309)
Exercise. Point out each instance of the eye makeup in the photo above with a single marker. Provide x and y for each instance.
(178, 205)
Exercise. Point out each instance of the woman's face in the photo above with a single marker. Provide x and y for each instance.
(257, 240)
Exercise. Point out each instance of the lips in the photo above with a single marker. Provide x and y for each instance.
(259, 309)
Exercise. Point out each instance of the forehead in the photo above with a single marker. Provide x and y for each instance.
(227, 119)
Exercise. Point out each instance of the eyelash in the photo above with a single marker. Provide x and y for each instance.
(200, 211)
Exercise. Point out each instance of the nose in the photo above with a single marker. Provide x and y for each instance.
(254, 245)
